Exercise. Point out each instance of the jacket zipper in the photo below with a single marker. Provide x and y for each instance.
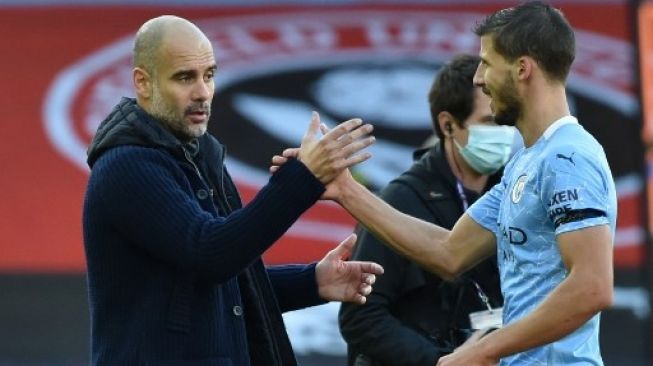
(197, 170)
(222, 185)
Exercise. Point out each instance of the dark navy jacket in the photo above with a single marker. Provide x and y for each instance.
(174, 269)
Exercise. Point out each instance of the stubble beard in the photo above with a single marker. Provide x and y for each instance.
(512, 106)
(175, 121)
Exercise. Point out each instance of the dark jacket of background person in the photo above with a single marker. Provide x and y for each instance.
(413, 317)
(173, 280)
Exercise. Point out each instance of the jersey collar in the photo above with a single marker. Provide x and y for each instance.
(559, 123)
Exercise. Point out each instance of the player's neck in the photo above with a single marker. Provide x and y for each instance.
(540, 111)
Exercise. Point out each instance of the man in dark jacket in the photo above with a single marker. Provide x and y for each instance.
(174, 269)
(414, 317)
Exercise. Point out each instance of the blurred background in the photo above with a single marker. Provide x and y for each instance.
(65, 64)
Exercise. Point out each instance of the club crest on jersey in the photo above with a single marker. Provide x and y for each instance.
(518, 188)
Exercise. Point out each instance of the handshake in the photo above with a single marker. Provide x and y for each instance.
(330, 156)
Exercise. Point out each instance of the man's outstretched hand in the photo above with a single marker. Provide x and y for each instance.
(328, 156)
(341, 280)
(335, 187)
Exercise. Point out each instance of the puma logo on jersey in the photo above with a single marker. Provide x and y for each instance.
(560, 156)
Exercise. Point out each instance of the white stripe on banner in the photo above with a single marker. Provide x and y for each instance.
(629, 237)
(321, 230)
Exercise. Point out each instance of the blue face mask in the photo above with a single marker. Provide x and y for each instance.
(488, 147)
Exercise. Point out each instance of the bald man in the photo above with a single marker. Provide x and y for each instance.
(174, 269)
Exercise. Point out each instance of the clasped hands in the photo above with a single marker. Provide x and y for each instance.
(327, 158)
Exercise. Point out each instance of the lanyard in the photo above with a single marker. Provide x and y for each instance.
(482, 295)
(462, 195)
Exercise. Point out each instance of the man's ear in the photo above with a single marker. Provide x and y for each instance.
(142, 83)
(445, 121)
(525, 67)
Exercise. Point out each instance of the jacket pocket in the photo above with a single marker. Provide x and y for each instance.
(179, 308)
(219, 361)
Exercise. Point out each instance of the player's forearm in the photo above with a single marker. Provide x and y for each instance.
(418, 240)
(568, 307)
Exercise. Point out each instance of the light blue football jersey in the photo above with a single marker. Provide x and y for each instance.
(559, 184)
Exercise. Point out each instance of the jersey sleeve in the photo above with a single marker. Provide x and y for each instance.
(574, 190)
(485, 211)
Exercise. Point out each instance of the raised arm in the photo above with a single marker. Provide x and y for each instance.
(446, 253)
(179, 231)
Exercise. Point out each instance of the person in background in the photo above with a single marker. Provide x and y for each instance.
(175, 275)
(414, 317)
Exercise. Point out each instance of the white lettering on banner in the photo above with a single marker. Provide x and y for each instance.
(380, 34)
(276, 35)
(236, 41)
(317, 35)
(383, 33)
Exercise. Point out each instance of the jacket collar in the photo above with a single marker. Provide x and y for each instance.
(129, 124)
